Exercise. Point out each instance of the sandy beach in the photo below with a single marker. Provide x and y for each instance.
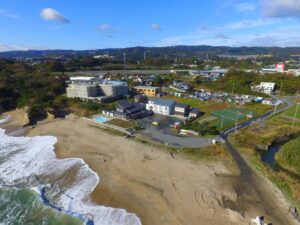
(145, 180)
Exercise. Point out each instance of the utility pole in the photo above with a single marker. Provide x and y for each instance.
(275, 108)
(236, 121)
(232, 89)
(222, 121)
(281, 86)
(125, 66)
(296, 113)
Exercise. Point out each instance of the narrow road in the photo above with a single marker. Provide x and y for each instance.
(252, 188)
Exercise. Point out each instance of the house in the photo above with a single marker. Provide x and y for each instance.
(141, 99)
(147, 90)
(194, 113)
(161, 106)
(272, 102)
(265, 87)
(180, 86)
(146, 80)
(126, 110)
(181, 109)
(213, 75)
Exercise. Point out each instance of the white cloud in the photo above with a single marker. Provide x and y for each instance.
(7, 48)
(156, 26)
(52, 14)
(106, 28)
(8, 14)
(222, 36)
(204, 29)
(245, 24)
(245, 7)
(281, 8)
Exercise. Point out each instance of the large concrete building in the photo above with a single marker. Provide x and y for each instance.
(82, 87)
(91, 88)
(113, 88)
(84, 91)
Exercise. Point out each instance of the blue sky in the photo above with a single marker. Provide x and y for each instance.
(94, 24)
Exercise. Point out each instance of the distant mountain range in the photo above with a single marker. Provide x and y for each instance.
(167, 52)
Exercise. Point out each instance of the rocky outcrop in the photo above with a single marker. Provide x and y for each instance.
(26, 120)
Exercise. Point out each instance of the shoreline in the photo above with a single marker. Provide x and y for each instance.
(79, 205)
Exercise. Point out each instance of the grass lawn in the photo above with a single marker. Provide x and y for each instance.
(122, 123)
(210, 107)
(291, 112)
(205, 106)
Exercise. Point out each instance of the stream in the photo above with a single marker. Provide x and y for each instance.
(268, 157)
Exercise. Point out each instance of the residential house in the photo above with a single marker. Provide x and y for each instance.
(148, 90)
(126, 110)
(180, 86)
(141, 99)
(161, 106)
(265, 87)
(194, 113)
(146, 80)
(181, 109)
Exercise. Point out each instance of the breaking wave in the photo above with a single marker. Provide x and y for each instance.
(64, 184)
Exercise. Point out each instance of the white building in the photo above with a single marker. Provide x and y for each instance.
(265, 87)
(161, 106)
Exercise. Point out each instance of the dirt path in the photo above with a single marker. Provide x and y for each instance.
(263, 199)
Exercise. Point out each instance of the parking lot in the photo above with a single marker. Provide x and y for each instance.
(164, 135)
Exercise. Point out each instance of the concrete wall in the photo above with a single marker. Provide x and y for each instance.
(113, 90)
(82, 91)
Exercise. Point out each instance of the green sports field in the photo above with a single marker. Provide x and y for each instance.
(228, 116)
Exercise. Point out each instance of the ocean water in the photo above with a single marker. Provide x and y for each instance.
(25, 207)
(38, 188)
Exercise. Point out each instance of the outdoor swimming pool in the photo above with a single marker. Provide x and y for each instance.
(101, 119)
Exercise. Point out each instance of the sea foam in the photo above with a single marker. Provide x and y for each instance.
(4, 119)
(30, 162)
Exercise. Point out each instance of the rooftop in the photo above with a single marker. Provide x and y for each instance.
(114, 83)
(82, 78)
(180, 105)
(163, 102)
(146, 87)
(194, 110)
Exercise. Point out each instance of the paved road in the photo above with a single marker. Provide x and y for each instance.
(163, 134)
(250, 183)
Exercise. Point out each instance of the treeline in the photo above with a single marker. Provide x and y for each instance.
(172, 51)
(22, 85)
(238, 81)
